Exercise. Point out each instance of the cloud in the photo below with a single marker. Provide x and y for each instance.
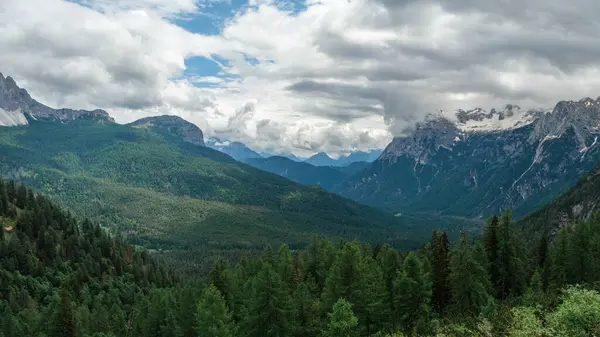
(324, 75)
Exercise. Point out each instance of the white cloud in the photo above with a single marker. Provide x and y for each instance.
(337, 76)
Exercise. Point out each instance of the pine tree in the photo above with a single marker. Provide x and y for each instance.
(269, 308)
(370, 304)
(63, 321)
(440, 271)
(212, 316)
(559, 271)
(413, 295)
(491, 237)
(285, 266)
(218, 277)
(511, 261)
(3, 200)
(306, 312)
(116, 321)
(390, 264)
(468, 280)
(580, 261)
(342, 322)
(344, 277)
(21, 197)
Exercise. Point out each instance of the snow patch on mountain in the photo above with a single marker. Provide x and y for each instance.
(12, 118)
(479, 120)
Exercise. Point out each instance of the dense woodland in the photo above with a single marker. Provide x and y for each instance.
(63, 277)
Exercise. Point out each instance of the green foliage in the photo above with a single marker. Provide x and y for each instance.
(526, 323)
(413, 295)
(270, 308)
(578, 315)
(469, 282)
(213, 318)
(63, 277)
(342, 322)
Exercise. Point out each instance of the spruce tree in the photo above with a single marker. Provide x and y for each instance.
(285, 266)
(63, 320)
(491, 238)
(342, 322)
(3, 200)
(343, 279)
(440, 270)
(468, 280)
(370, 305)
(413, 295)
(269, 308)
(511, 261)
(212, 316)
(306, 312)
(559, 271)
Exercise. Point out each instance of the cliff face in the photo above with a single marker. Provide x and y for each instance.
(484, 161)
(16, 105)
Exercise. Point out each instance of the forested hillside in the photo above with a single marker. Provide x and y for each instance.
(62, 277)
(163, 192)
(581, 202)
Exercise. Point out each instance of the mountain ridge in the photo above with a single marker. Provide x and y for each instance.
(16, 105)
(490, 161)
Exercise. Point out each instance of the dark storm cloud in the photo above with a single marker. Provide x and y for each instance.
(442, 49)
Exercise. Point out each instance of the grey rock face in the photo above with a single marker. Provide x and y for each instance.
(484, 162)
(175, 125)
(15, 101)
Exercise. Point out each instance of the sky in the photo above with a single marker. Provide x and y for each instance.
(301, 76)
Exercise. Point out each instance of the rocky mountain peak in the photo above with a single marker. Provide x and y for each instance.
(582, 116)
(16, 104)
(173, 124)
(424, 141)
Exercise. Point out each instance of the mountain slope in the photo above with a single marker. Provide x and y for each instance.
(165, 193)
(483, 162)
(303, 173)
(236, 150)
(581, 202)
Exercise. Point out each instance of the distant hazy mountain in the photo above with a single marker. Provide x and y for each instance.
(322, 159)
(236, 150)
(303, 173)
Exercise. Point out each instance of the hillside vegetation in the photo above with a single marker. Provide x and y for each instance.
(165, 193)
(581, 202)
(66, 278)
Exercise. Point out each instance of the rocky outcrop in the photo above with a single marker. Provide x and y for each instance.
(174, 125)
(16, 105)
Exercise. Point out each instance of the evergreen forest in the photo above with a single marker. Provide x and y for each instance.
(62, 276)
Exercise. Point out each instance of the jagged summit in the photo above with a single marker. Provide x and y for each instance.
(16, 104)
(173, 124)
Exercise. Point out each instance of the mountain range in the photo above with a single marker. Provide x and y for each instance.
(323, 159)
(155, 183)
(159, 182)
(477, 162)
